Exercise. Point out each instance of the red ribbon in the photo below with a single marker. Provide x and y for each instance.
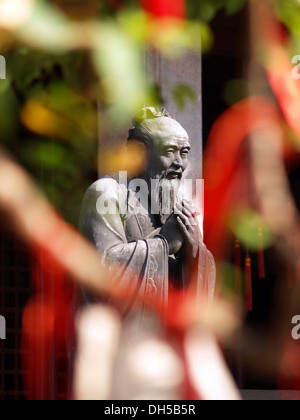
(249, 291)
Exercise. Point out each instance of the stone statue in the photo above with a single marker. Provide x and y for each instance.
(147, 230)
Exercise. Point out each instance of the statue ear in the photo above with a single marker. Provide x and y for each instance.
(137, 145)
(138, 156)
(131, 134)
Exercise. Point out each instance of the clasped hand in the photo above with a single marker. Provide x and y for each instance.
(182, 228)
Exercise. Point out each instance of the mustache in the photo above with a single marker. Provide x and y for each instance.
(164, 195)
(172, 172)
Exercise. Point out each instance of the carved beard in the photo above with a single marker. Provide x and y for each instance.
(164, 195)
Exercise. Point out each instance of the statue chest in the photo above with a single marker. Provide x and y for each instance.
(138, 224)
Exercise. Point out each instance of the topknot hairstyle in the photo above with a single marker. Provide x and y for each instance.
(149, 114)
(139, 131)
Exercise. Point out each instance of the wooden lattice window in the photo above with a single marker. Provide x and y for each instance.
(15, 289)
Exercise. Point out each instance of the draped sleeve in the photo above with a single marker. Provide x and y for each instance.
(140, 266)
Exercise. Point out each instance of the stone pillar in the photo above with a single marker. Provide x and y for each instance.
(167, 74)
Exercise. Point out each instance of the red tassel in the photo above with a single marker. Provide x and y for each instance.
(249, 291)
(238, 266)
(290, 270)
(261, 256)
(290, 276)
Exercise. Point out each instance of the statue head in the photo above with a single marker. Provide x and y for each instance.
(166, 141)
(167, 145)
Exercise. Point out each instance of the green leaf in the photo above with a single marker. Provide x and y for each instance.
(47, 29)
(119, 65)
(182, 94)
(288, 11)
(49, 155)
(247, 225)
(234, 6)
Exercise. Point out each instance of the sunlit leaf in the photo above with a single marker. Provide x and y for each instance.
(15, 13)
(234, 6)
(47, 29)
(289, 12)
(41, 120)
(135, 24)
(200, 36)
(182, 94)
(119, 65)
(247, 225)
(176, 38)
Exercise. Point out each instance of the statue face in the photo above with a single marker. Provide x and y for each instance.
(168, 159)
(169, 156)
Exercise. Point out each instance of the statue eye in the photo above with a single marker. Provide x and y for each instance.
(169, 152)
(184, 153)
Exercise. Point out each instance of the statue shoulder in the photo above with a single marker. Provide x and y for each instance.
(106, 185)
(105, 193)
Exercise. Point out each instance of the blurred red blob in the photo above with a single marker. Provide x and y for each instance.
(226, 166)
(281, 72)
(289, 377)
(38, 328)
(47, 327)
(160, 9)
(285, 86)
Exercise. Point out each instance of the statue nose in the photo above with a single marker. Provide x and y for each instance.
(178, 162)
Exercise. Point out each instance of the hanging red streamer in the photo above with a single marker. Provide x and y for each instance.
(248, 277)
(261, 256)
(47, 324)
(238, 266)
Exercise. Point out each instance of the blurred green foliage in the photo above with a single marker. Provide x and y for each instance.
(288, 11)
(206, 10)
(77, 72)
(246, 225)
(183, 93)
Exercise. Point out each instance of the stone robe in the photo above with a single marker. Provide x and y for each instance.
(129, 243)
